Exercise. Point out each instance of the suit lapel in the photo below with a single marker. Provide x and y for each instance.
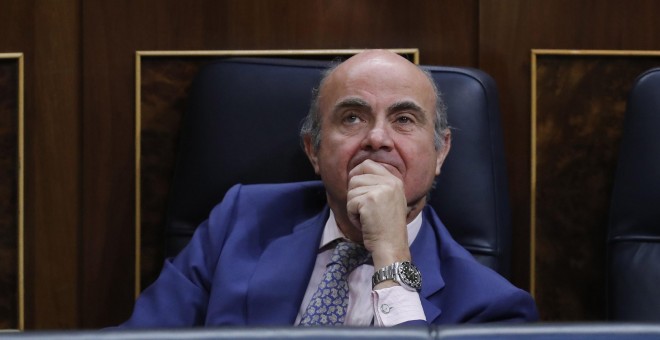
(425, 255)
(282, 274)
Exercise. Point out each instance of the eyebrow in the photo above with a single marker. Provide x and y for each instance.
(408, 105)
(352, 102)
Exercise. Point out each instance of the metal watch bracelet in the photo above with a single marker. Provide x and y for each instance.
(403, 273)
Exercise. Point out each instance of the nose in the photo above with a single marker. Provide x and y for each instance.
(377, 138)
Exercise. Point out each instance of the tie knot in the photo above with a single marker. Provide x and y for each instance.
(348, 256)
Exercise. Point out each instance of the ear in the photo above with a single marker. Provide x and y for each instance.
(311, 152)
(443, 152)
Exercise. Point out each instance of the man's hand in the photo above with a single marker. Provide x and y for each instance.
(376, 204)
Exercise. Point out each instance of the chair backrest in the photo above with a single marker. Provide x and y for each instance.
(242, 126)
(634, 226)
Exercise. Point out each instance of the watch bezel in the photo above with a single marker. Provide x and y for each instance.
(409, 275)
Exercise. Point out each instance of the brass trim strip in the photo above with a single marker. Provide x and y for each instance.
(21, 180)
(222, 53)
(21, 194)
(532, 232)
(138, 148)
(632, 53)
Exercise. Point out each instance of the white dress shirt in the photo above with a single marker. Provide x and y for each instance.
(386, 307)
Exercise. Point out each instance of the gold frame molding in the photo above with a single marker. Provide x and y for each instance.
(139, 55)
(20, 194)
(533, 187)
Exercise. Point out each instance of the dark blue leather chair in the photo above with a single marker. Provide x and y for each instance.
(242, 126)
(634, 226)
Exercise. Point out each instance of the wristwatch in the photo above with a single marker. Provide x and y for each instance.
(404, 273)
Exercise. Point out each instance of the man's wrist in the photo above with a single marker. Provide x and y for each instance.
(402, 273)
(386, 255)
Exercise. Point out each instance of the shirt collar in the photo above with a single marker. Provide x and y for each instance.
(331, 230)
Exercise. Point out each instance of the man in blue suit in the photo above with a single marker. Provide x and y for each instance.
(377, 136)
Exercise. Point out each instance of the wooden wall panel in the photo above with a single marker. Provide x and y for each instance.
(47, 32)
(580, 107)
(164, 88)
(11, 41)
(508, 30)
(444, 31)
(10, 168)
(79, 72)
(52, 149)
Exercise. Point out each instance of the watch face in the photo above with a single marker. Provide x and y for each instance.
(410, 275)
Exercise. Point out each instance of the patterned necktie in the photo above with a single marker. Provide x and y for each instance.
(329, 303)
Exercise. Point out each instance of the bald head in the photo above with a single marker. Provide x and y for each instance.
(375, 63)
(376, 66)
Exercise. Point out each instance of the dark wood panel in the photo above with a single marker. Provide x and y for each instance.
(508, 30)
(15, 37)
(9, 195)
(164, 87)
(495, 35)
(444, 31)
(53, 155)
(581, 101)
(47, 33)
(111, 32)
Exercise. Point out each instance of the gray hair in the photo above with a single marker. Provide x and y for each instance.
(311, 125)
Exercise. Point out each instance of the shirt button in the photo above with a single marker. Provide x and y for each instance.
(385, 308)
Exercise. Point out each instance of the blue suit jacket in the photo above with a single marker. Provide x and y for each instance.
(250, 264)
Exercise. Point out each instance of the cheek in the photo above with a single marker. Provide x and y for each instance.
(421, 165)
(339, 148)
(333, 158)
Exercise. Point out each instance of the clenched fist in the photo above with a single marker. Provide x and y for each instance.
(376, 204)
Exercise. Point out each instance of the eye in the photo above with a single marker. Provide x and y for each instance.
(404, 120)
(351, 118)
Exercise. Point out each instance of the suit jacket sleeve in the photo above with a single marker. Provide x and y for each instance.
(476, 294)
(516, 306)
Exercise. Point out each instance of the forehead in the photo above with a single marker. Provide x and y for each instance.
(378, 82)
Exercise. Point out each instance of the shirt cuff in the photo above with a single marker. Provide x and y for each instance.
(395, 305)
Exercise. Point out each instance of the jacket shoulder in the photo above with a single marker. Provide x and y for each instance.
(296, 196)
(262, 204)
(275, 191)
